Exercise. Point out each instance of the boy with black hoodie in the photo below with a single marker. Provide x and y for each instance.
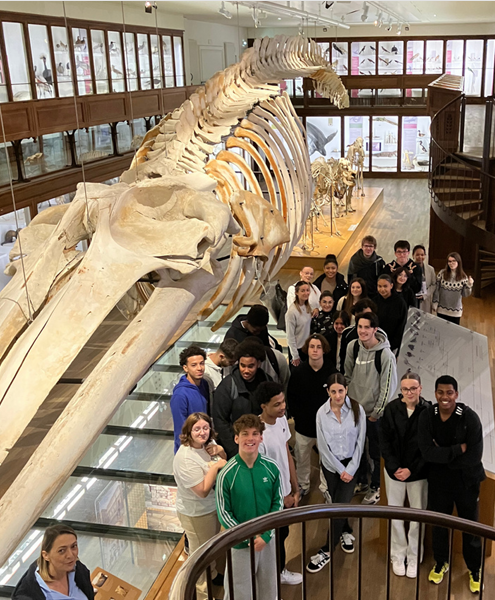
(367, 264)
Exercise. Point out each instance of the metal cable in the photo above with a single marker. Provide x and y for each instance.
(126, 61)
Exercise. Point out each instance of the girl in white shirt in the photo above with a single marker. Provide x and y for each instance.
(298, 322)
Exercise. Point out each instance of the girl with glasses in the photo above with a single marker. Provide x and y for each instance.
(452, 286)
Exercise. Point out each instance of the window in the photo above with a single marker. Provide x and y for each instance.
(130, 62)
(155, 60)
(473, 70)
(490, 60)
(168, 61)
(81, 57)
(455, 55)
(390, 57)
(179, 62)
(434, 56)
(355, 127)
(144, 61)
(415, 57)
(340, 57)
(384, 145)
(62, 60)
(100, 61)
(363, 58)
(42, 64)
(323, 137)
(16, 56)
(415, 143)
(116, 65)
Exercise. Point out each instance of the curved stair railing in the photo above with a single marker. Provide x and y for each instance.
(463, 194)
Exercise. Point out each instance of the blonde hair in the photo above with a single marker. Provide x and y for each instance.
(51, 535)
(297, 287)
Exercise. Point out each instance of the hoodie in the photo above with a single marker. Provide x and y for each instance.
(187, 398)
(368, 269)
(392, 316)
(371, 389)
(237, 332)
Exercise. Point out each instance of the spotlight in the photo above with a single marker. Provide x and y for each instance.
(389, 26)
(399, 29)
(366, 9)
(329, 4)
(223, 11)
(407, 26)
(149, 6)
(378, 20)
(256, 19)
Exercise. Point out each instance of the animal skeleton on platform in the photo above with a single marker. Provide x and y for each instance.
(356, 155)
(172, 215)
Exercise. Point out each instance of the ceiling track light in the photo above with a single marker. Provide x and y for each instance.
(407, 26)
(149, 6)
(289, 11)
(389, 26)
(399, 29)
(223, 11)
(364, 15)
(378, 20)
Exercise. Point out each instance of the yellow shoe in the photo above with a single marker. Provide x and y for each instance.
(474, 582)
(437, 573)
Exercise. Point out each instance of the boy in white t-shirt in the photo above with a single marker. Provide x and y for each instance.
(271, 399)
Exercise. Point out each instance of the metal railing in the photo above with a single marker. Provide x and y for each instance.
(184, 585)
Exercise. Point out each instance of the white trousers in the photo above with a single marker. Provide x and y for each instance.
(406, 547)
(303, 449)
(265, 564)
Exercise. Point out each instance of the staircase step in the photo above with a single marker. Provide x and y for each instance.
(460, 190)
(465, 203)
(456, 178)
(470, 215)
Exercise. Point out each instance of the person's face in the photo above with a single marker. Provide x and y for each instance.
(200, 433)
(63, 555)
(254, 329)
(384, 288)
(419, 256)
(248, 366)
(226, 362)
(303, 293)
(453, 264)
(368, 249)
(402, 278)
(339, 325)
(315, 350)
(402, 256)
(411, 390)
(365, 330)
(330, 270)
(307, 274)
(326, 304)
(275, 409)
(195, 367)
(446, 397)
(356, 289)
(248, 441)
(337, 393)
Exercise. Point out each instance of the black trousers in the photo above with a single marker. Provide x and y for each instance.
(284, 534)
(370, 456)
(456, 320)
(466, 501)
(341, 493)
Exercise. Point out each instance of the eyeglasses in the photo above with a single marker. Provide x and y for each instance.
(367, 246)
(409, 390)
(402, 251)
(200, 429)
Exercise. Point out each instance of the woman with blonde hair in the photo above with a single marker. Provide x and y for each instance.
(452, 286)
(298, 323)
(58, 571)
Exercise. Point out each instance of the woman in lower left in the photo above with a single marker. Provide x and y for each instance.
(58, 571)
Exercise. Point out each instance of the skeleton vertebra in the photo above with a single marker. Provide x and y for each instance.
(164, 217)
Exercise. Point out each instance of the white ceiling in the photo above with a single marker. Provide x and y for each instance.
(437, 12)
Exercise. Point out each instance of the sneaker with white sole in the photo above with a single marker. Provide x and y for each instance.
(318, 561)
(398, 567)
(437, 573)
(372, 496)
(347, 542)
(412, 568)
(361, 488)
(290, 578)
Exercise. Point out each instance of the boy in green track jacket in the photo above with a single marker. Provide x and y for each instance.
(248, 487)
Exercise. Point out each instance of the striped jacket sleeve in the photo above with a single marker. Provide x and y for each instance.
(223, 495)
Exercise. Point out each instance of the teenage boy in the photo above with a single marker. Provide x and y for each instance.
(367, 264)
(350, 333)
(371, 373)
(191, 394)
(217, 363)
(451, 441)
(271, 399)
(255, 322)
(402, 249)
(248, 487)
(234, 396)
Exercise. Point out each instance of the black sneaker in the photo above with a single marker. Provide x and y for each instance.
(347, 542)
(318, 561)
(218, 580)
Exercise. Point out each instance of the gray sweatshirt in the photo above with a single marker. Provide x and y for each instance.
(297, 326)
(449, 293)
(371, 389)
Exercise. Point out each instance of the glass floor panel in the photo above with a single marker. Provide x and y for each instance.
(203, 335)
(136, 561)
(158, 382)
(144, 415)
(120, 503)
(145, 453)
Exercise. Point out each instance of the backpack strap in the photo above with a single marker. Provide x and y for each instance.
(378, 357)
(233, 388)
(272, 359)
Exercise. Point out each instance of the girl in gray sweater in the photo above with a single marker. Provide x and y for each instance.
(452, 286)
(298, 322)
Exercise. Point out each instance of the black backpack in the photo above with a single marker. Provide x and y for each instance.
(378, 357)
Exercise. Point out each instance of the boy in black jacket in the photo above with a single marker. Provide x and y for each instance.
(451, 441)
(402, 249)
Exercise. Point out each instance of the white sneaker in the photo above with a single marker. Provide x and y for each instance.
(372, 496)
(347, 542)
(411, 569)
(290, 578)
(398, 567)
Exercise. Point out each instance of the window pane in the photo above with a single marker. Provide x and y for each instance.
(340, 57)
(100, 61)
(116, 67)
(42, 64)
(390, 58)
(150, 414)
(124, 136)
(16, 55)
(155, 59)
(62, 60)
(415, 57)
(179, 62)
(130, 62)
(384, 146)
(7, 169)
(363, 58)
(490, 60)
(4, 97)
(81, 56)
(434, 56)
(144, 61)
(298, 87)
(355, 127)
(93, 144)
(323, 137)
(8, 228)
(455, 51)
(474, 59)
(415, 143)
(168, 61)
(45, 154)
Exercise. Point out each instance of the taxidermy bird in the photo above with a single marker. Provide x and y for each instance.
(60, 68)
(337, 49)
(116, 71)
(47, 74)
(61, 45)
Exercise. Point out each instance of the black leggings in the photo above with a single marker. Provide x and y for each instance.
(341, 493)
(456, 320)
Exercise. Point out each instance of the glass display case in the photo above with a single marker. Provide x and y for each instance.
(473, 67)
(116, 62)
(130, 62)
(93, 143)
(42, 63)
(490, 65)
(363, 58)
(100, 61)
(4, 94)
(340, 57)
(16, 55)
(8, 236)
(434, 56)
(323, 137)
(143, 52)
(63, 199)
(168, 61)
(454, 57)
(355, 127)
(156, 62)
(179, 62)
(415, 143)
(390, 57)
(80, 44)
(384, 146)
(415, 57)
(62, 60)
(298, 87)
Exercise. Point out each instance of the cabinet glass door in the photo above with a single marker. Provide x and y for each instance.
(455, 56)
(490, 63)
(340, 57)
(384, 145)
(473, 70)
(144, 60)
(4, 96)
(81, 57)
(16, 56)
(100, 61)
(390, 58)
(116, 66)
(415, 57)
(415, 143)
(363, 58)
(355, 127)
(130, 62)
(155, 59)
(179, 61)
(323, 137)
(168, 61)
(63, 65)
(434, 56)
(42, 63)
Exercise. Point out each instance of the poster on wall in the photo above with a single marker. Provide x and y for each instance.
(110, 510)
(323, 137)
